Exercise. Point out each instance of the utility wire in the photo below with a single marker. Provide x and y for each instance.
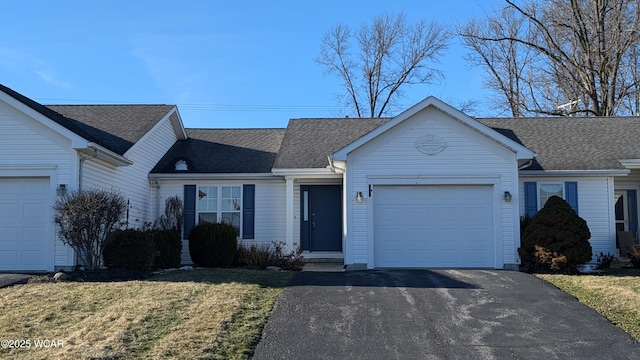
(205, 107)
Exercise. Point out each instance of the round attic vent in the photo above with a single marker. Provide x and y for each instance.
(181, 165)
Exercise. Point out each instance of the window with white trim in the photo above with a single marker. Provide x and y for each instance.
(547, 190)
(220, 204)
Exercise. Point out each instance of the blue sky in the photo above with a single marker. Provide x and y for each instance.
(224, 63)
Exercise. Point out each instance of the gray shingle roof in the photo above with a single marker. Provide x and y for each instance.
(573, 143)
(224, 151)
(115, 127)
(308, 142)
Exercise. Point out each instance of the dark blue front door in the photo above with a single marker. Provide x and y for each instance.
(321, 217)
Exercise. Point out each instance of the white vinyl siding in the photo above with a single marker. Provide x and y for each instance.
(595, 204)
(132, 181)
(269, 207)
(469, 158)
(26, 143)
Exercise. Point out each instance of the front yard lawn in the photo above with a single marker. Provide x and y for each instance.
(204, 313)
(615, 294)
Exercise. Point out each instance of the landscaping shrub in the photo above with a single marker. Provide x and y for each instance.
(287, 261)
(168, 248)
(524, 222)
(85, 219)
(253, 256)
(172, 217)
(556, 240)
(213, 244)
(635, 261)
(605, 260)
(260, 256)
(129, 249)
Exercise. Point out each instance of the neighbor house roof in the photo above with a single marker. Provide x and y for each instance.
(308, 142)
(115, 127)
(224, 151)
(574, 143)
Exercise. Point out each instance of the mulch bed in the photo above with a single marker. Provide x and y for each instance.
(106, 275)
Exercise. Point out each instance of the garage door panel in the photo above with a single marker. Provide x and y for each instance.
(9, 258)
(25, 242)
(10, 234)
(32, 258)
(439, 226)
(9, 211)
(33, 235)
(34, 211)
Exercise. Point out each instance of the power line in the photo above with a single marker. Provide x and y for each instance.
(209, 107)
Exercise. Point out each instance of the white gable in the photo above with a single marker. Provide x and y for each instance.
(434, 155)
(452, 114)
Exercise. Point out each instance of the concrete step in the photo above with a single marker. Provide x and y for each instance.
(324, 260)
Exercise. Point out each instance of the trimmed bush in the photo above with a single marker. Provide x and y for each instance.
(213, 244)
(168, 248)
(129, 249)
(287, 261)
(253, 256)
(85, 219)
(555, 240)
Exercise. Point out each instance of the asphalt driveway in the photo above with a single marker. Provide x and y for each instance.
(439, 314)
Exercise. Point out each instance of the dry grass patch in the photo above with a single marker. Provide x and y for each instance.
(614, 295)
(205, 313)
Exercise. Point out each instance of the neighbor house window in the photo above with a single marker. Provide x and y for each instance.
(547, 190)
(220, 204)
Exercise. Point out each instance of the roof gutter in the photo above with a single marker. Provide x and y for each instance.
(612, 172)
(211, 176)
(630, 163)
(109, 156)
(306, 173)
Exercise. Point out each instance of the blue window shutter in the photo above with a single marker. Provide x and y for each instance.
(248, 211)
(632, 204)
(571, 194)
(530, 198)
(189, 220)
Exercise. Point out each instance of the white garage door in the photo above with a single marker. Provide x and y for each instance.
(25, 242)
(433, 226)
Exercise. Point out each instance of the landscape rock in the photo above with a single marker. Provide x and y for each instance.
(61, 276)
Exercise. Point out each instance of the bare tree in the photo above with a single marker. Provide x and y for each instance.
(581, 54)
(379, 59)
(85, 218)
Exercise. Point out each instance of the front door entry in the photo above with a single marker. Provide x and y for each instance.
(321, 217)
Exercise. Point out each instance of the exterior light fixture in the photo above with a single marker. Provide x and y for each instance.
(507, 196)
(359, 196)
(61, 190)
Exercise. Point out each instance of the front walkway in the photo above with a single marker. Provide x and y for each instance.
(440, 314)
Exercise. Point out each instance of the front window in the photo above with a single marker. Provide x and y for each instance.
(220, 204)
(548, 190)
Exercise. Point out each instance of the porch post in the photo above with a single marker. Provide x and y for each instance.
(289, 213)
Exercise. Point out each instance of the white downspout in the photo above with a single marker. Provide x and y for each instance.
(156, 185)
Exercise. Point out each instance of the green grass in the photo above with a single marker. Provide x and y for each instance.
(199, 314)
(615, 294)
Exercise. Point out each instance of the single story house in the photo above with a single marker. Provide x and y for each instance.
(430, 187)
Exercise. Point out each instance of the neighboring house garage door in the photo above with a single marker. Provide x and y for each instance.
(433, 226)
(25, 216)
